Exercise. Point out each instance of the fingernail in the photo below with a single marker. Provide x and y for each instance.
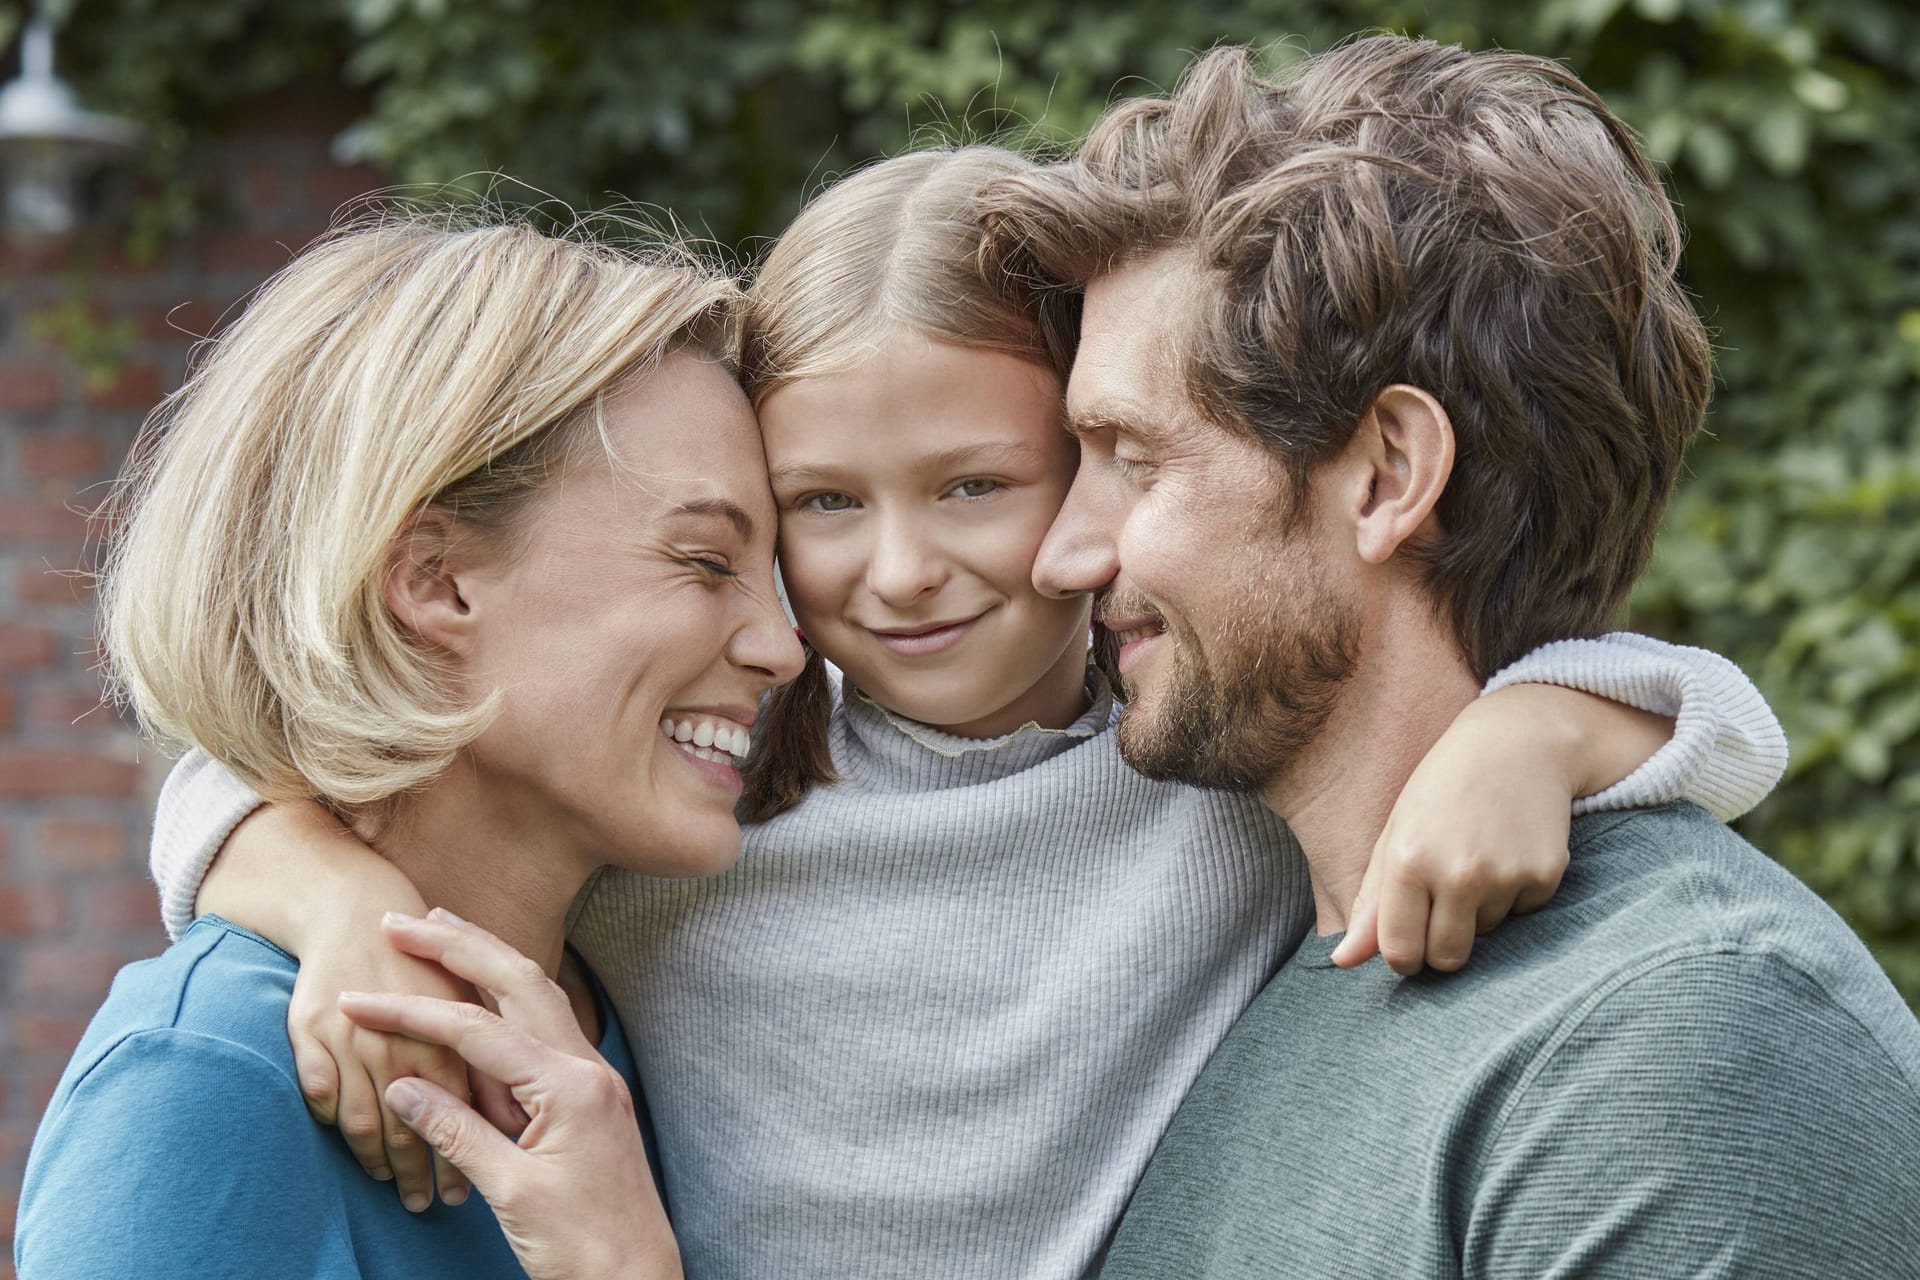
(380, 1175)
(457, 1195)
(416, 1201)
(406, 1099)
(446, 915)
(399, 918)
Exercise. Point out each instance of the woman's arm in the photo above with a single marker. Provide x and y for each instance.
(295, 876)
(1480, 830)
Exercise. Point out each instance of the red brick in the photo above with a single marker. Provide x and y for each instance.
(45, 455)
(26, 774)
(28, 387)
(40, 583)
(181, 320)
(7, 713)
(260, 253)
(137, 386)
(71, 709)
(123, 904)
(28, 520)
(48, 1032)
(329, 186)
(23, 647)
(30, 909)
(74, 845)
(64, 972)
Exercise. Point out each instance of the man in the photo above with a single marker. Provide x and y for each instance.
(1384, 378)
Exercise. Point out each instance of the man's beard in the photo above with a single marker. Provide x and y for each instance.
(1238, 723)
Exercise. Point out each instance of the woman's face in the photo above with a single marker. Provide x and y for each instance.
(633, 631)
(914, 492)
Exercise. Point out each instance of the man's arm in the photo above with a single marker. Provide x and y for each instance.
(163, 1163)
(1718, 1115)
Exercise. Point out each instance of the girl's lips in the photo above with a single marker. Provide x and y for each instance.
(921, 645)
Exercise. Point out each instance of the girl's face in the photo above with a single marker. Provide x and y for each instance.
(913, 493)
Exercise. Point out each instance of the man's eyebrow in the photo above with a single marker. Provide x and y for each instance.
(732, 513)
(1091, 422)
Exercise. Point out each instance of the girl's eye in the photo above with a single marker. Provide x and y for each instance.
(828, 502)
(978, 487)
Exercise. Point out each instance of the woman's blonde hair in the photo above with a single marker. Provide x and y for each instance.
(895, 248)
(397, 365)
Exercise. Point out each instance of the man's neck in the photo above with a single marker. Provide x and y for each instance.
(1410, 684)
(465, 851)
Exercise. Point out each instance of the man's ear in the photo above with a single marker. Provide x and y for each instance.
(423, 587)
(1405, 444)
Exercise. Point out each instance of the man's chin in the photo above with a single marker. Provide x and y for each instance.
(1153, 750)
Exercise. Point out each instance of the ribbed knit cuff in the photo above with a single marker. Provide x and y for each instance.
(1727, 750)
(200, 805)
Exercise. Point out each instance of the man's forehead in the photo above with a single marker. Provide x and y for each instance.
(1127, 366)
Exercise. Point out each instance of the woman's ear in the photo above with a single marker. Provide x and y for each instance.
(1406, 445)
(423, 583)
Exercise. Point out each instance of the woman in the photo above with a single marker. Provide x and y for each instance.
(425, 462)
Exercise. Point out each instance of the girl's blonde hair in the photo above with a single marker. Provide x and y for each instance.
(395, 366)
(896, 247)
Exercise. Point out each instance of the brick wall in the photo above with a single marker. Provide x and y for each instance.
(76, 784)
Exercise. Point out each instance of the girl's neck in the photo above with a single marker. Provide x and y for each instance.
(1054, 701)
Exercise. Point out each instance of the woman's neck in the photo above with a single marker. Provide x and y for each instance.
(463, 855)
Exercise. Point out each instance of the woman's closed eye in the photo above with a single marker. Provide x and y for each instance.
(714, 566)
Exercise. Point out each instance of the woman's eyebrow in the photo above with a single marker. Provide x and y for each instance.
(731, 512)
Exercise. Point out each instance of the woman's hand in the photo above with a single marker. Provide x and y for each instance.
(294, 875)
(1480, 830)
(575, 1197)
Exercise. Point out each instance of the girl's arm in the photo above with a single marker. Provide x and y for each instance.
(295, 876)
(1480, 830)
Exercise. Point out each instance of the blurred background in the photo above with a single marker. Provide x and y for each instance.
(224, 133)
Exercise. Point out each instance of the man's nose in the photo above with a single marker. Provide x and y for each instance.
(1077, 556)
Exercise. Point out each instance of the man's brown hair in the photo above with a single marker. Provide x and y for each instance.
(1479, 225)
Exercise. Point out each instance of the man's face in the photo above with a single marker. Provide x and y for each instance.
(1236, 639)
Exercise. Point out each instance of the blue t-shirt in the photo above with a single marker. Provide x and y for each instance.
(177, 1143)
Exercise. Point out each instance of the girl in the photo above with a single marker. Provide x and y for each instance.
(936, 1019)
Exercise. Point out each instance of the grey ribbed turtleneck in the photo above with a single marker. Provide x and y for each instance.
(935, 1021)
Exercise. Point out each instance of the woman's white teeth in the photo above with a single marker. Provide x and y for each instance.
(707, 740)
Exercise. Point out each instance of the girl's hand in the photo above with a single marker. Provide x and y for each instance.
(294, 875)
(1480, 829)
(575, 1197)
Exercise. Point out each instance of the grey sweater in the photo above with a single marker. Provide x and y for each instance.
(936, 1019)
(1685, 1065)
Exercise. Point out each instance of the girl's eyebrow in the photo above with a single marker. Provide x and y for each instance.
(957, 458)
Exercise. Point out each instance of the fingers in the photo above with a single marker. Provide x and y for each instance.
(484, 1039)
(1405, 908)
(1363, 920)
(410, 1160)
(1450, 932)
(526, 997)
(1532, 898)
(318, 1075)
(361, 1125)
(457, 1133)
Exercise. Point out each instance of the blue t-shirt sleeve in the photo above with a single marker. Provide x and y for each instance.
(1719, 1115)
(179, 1154)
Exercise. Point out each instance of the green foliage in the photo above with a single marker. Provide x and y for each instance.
(1791, 129)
